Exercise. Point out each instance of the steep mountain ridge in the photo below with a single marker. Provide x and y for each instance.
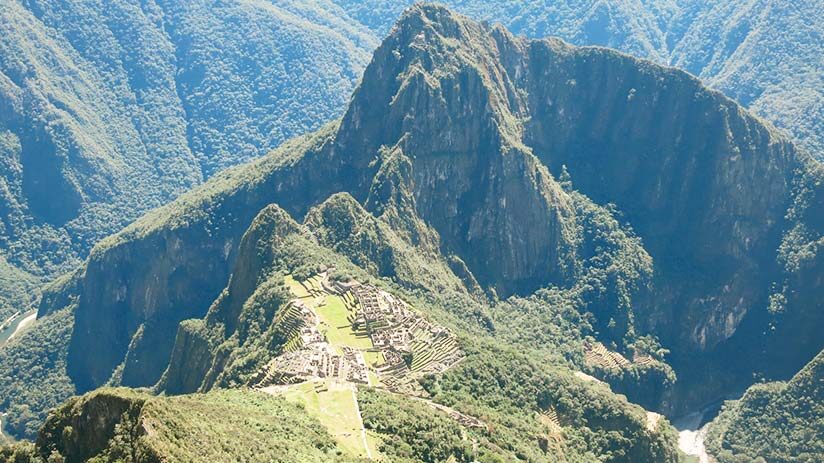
(457, 78)
(764, 54)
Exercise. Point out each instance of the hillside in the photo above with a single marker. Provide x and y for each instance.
(778, 422)
(124, 425)
(547, 210)
(522, 158)
(120, 109)
(110, 111)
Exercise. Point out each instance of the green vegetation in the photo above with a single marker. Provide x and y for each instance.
(336, 325)
(220, 426)
(336, 407)
(778, 422)
(525, 228)
(414, 432)
(508, 389)
(33, 373)
(110, 112)
(119, 112)
(17, 290)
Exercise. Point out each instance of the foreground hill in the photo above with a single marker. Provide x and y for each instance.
(124, 425)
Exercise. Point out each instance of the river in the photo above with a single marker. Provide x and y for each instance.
(18, 325)
(13, 329)
(692, 429)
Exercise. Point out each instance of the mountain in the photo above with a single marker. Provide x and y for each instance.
(775, 422)
(120, 109)
(549, 213)
(577, 205)
(111, 110)
(499, 109)
(763, 53)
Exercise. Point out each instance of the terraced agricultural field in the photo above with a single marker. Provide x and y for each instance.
(297, 289)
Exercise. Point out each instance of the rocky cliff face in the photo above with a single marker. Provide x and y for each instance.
(126, 293)
(487, 150)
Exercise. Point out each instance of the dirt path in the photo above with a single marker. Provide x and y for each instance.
(360, 420)
(652, 421)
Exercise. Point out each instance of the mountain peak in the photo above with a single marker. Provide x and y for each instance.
(423, 15)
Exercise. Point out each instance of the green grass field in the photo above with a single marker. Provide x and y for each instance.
(338, 329)
(296, 288)
(335, 406)
(373, 358)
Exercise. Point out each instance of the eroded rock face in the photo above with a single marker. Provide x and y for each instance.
(456, 138)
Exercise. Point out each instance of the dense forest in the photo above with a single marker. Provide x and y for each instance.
(592, 232)
(111, 110)
(774, 422)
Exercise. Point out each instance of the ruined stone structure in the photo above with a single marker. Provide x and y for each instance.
(409, 345)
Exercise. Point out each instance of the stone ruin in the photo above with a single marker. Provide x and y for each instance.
(410, 345)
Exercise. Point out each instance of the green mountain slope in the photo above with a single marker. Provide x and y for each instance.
(124, 425)
(111, 111)
(480, 120)
(33, 376)
(557, 208)
(776, 422)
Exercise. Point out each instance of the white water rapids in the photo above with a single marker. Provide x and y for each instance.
(691, 433)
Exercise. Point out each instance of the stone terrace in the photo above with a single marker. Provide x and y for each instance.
(406, 345)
